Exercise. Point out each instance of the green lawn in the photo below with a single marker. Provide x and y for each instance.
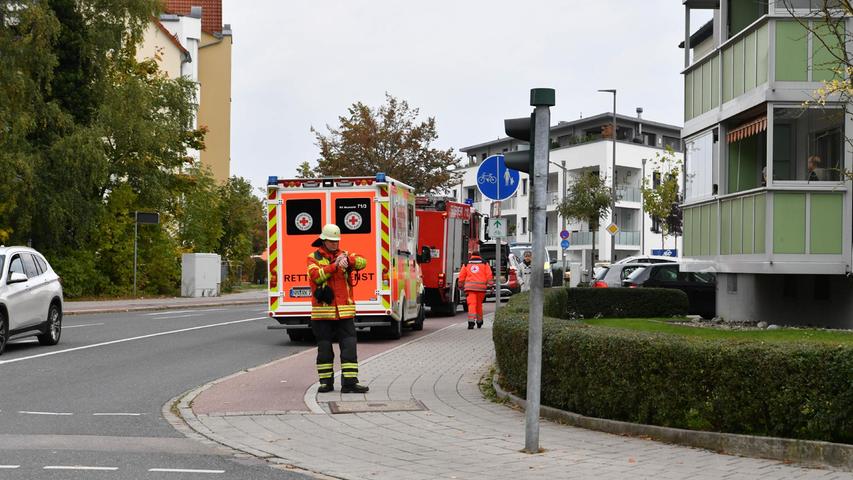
(665, 325)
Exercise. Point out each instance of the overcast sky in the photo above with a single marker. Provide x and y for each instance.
(468, 63)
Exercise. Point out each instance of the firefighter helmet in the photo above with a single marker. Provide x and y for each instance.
(331, 232)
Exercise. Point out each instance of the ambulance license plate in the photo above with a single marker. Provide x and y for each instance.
(300, 292)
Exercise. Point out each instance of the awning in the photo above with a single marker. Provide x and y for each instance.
(748, 129)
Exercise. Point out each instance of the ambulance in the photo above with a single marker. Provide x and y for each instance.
(377, 219)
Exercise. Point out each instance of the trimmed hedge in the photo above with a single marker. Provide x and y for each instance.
(789, 390)
(621, 302)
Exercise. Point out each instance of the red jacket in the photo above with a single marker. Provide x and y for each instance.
(323, 271)
(476, 275)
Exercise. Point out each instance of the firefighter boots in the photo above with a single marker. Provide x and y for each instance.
(326, 387)
(470, 325)
(354, 388)
(480, 324)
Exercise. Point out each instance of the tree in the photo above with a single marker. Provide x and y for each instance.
(304, 170)
(588, 200)
(660, 199)
(390, 140)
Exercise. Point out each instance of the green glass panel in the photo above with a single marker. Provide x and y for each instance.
(715, 81)
(789, 223)
(696, 242)
(726, 228)
(791, 51)
(687, 230)
(706, 86)
(748, 225)
(737, 226)
(826, 51)
(728, 74)
(760, 223)
(697, 92)
(705, 225)
(715, 244)
(749, 62)
(688, 96)
(738, 68)
(762, 57)
(743, 12)
(827, 218)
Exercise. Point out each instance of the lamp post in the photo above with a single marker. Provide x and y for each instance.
(613, 178)
(643, 213)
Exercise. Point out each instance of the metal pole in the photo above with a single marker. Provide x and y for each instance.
(643, 214)
(135, 230)
(613, 186)
(563, 198)
(498, 251)
(537, 288)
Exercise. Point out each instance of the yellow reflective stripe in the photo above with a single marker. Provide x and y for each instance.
(326, 375)
(325, 365)
(349, 375)
(345, 365)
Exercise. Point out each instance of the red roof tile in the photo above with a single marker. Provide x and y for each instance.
(211, 12)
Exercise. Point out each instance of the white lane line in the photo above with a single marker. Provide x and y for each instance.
(79, 467)
(84, 325)
(182, 316)
(185, 311)
(141, 337)
(25, 412)
(183, 470)
(117, 414)
(9, 467)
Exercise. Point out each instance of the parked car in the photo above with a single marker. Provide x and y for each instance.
(518, 250)
(648, 259)
(613, 275)
(30, 297)
(511, 277)
(700, 287)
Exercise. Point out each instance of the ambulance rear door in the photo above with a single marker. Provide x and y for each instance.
(355, 211)
(304, 214)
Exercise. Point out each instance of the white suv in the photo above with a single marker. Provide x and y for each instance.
(30, 297)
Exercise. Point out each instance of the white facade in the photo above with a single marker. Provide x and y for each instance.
(634, 236)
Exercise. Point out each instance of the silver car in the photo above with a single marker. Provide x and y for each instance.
(30, 297)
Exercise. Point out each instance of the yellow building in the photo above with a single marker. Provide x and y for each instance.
(214, 112)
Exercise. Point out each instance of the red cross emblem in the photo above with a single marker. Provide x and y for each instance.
(304, 221)
(353, 220)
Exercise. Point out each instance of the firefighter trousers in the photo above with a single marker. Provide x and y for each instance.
(326, 332)
(475, 306)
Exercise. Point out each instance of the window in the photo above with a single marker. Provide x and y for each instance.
(524, 186)
(666, 273)
(353, 215)
(410, 220)
(808, 144)
(650, 139)
(699, 165)
(672, 142)
(16, 265)
(303, 216)
(30, 265)
(523, 225)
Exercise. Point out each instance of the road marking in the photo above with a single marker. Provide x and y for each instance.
(24, 412)
(185, 311)
(84, 325)
(141, 337)
(9, 467)
(78, 467)
(182, 316)
(183, 470)
(117, 414)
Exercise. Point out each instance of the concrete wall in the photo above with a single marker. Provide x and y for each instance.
(156, 43)
(804, 300)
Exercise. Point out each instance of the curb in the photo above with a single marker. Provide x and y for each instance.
(135, 308)
(809, 453)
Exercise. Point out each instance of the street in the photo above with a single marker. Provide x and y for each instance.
(92, 404)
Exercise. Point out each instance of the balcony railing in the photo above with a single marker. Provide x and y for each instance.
(581, 238)
(553, 198)
(628, 194)
(628, 238)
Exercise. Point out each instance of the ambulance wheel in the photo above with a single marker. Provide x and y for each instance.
(419, 322)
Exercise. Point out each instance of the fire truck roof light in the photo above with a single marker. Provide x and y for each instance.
(380, 177)
(272, 180)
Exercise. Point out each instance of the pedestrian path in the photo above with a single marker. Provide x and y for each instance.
(459, 434)
(249, 297)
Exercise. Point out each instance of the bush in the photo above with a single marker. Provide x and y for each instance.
(777, 389)
(623, 302)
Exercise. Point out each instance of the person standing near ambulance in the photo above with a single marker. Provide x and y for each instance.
(475, 277)
(333, 309)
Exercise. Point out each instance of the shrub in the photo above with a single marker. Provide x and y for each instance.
(622, 302)
(793, 390)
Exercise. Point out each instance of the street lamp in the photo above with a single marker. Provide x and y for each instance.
(613, 179)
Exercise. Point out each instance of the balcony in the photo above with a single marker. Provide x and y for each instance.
(628, 238)
(625, 193)
(577, 239)
(771, 231)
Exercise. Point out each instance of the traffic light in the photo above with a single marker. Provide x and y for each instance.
(523, 129)
(674, 219)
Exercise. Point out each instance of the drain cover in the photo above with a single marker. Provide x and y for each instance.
(377, 406)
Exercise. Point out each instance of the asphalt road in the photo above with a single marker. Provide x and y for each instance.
(90, 407)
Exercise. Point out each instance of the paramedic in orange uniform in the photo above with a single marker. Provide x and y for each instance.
(475, 278)
(333, 310)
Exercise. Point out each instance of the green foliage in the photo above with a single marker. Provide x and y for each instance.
(199, 213)
(588, 200)
(657, 201)
(386, 140)
(783, 389)
(242, 214)
(622, 302)
(304, 170)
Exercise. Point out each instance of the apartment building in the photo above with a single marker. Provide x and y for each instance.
(584, 144)
(767, 201)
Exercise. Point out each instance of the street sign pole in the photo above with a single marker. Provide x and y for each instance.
(490, 175)
(542, 99)
(135, 233)
(498, 254)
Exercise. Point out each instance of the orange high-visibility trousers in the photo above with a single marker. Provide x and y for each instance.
(475, 306)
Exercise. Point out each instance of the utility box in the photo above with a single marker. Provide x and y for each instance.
(575, 279)
(200, 275)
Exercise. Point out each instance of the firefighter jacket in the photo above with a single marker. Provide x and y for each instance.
(323, 272)
(476, 275)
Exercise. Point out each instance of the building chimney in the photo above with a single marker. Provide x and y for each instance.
(639, 112)
(640, 117)
(195, 12)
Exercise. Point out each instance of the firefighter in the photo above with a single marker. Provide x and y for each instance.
(475, 277)
(333, 310)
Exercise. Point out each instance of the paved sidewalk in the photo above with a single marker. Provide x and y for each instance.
(258, 296)
(460, 435)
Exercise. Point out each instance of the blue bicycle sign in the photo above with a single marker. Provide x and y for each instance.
(494, 180)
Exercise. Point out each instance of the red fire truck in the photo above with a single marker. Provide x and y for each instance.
(449, 230)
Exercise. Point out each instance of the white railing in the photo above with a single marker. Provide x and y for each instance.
(627, 238)
(628, 194)
(581, 238)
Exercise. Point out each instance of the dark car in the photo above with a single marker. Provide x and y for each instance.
(700, 287)
(509, 278)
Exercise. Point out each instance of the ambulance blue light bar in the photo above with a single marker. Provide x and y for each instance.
(380, 177)
(272, 180)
